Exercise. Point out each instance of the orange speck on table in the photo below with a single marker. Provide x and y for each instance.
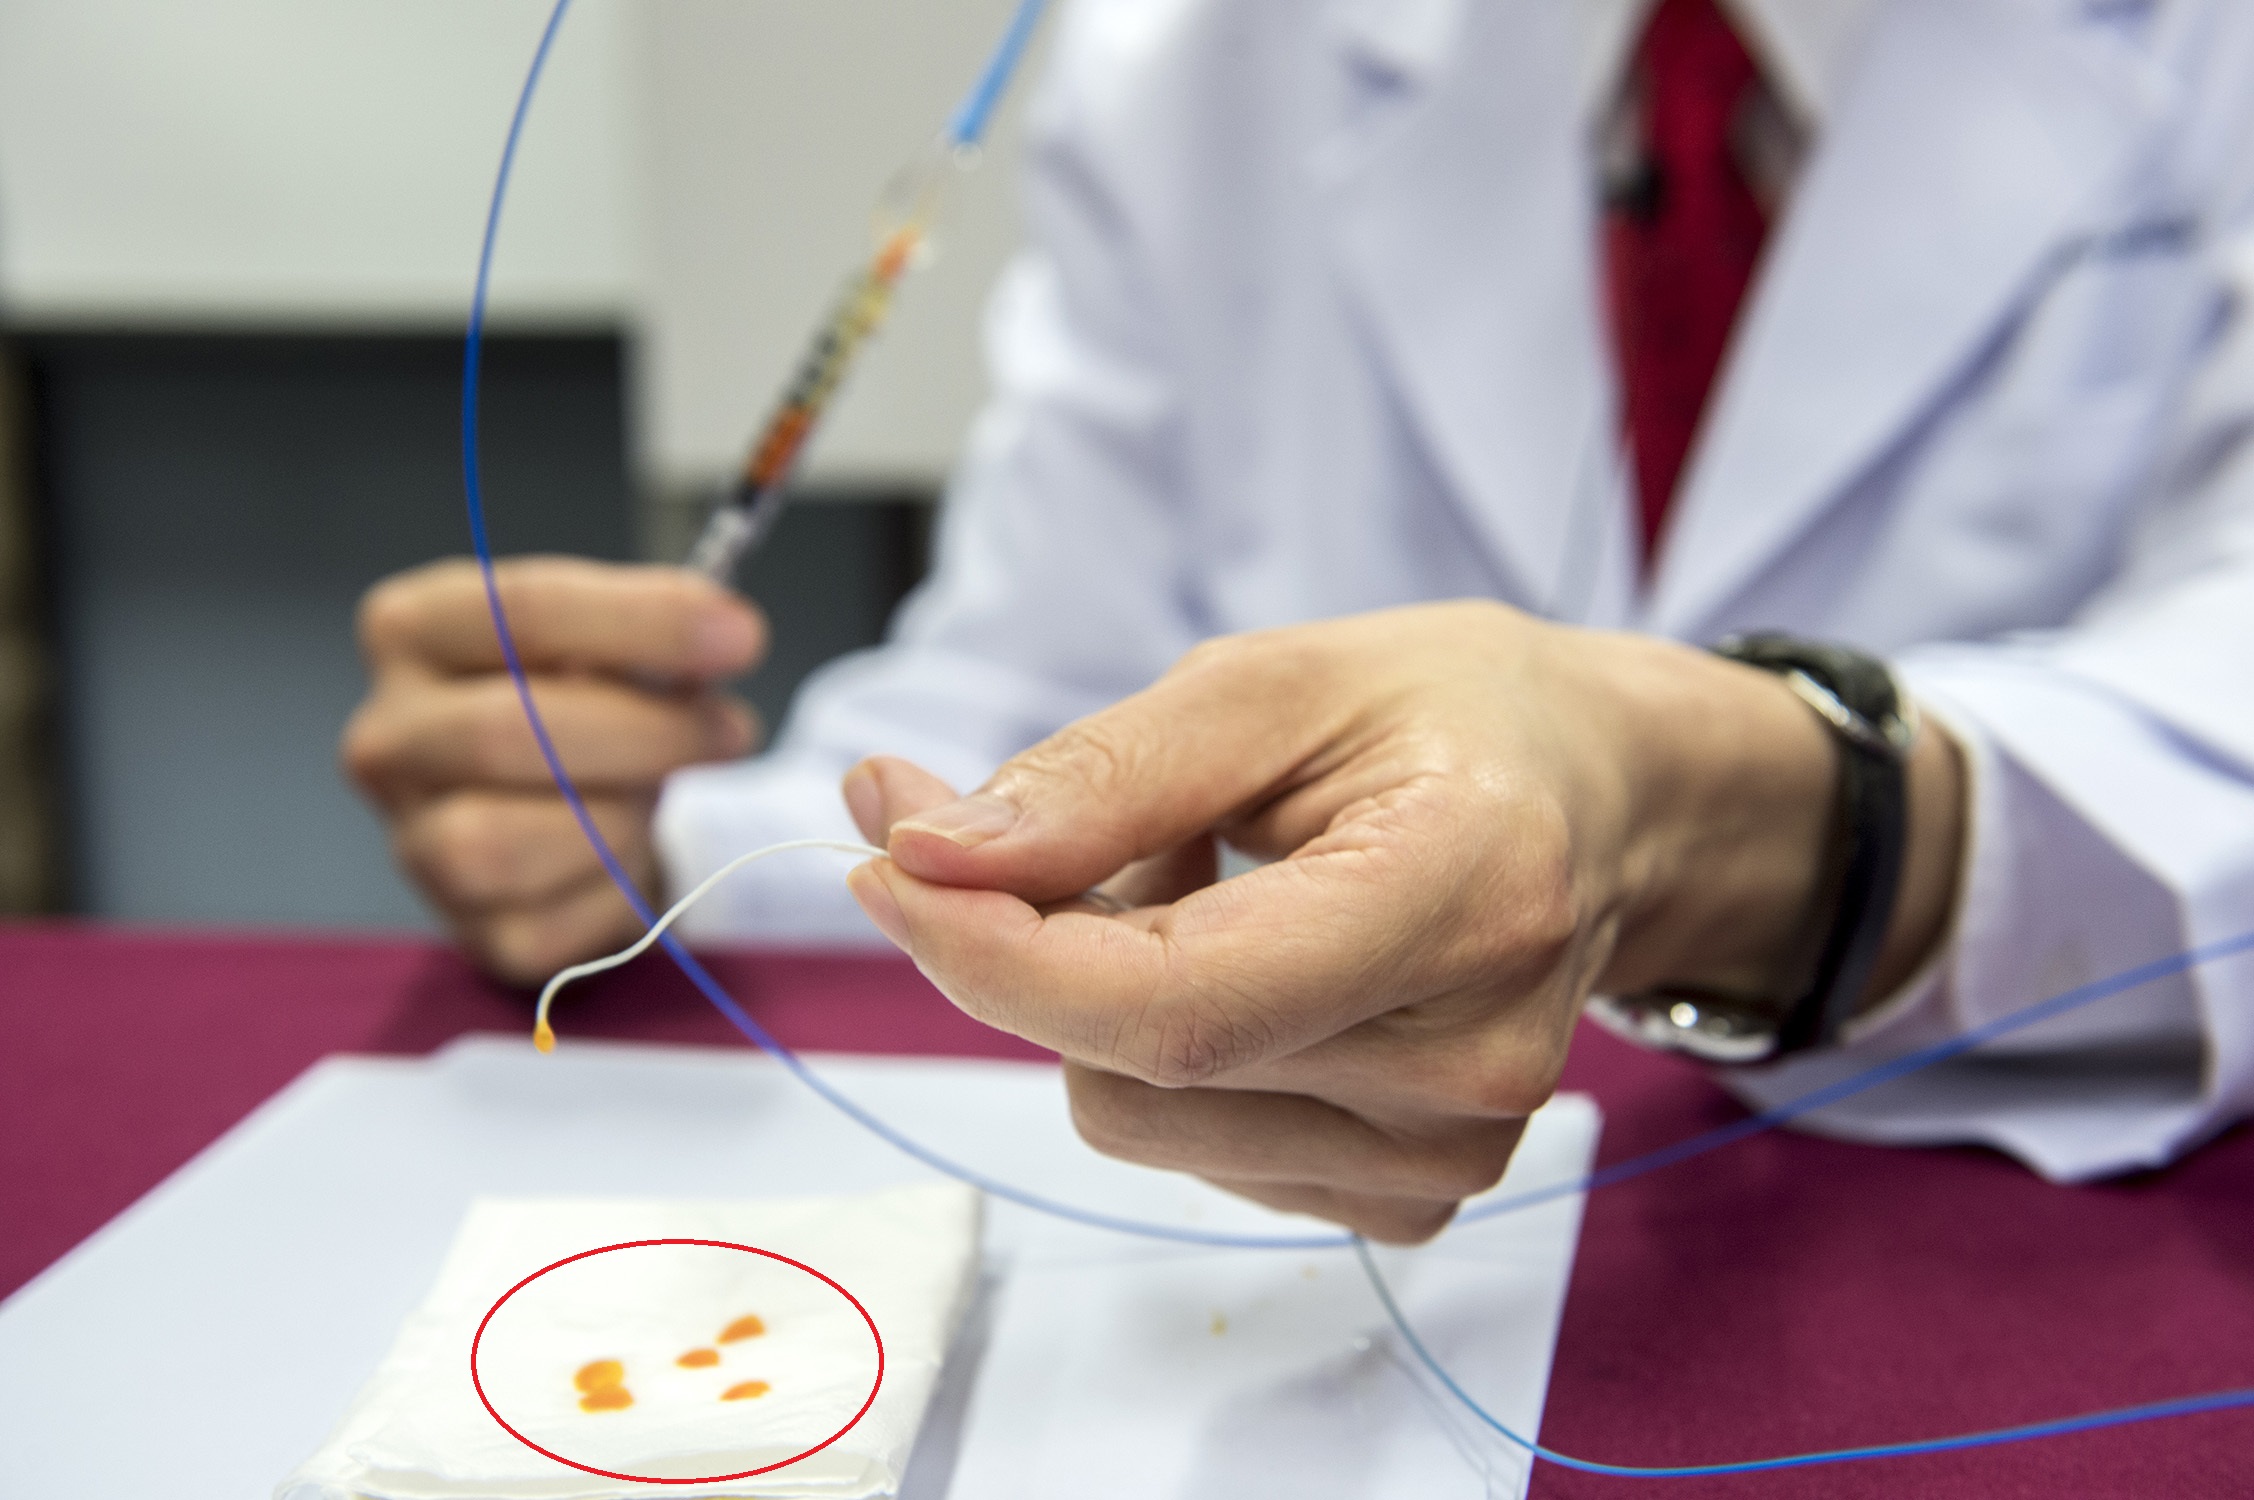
(749, 1326)
(699, 1359)
(745, 1390)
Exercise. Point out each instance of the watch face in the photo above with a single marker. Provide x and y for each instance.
(1702, 1026)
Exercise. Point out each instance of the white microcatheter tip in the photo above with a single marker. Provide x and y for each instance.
(544, 1035)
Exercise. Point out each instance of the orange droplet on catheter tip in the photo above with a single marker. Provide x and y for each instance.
(748, 1326)
(609, 1398)
(599, 1374)
(544, 1036)
(745, 1391)
(699, 1359)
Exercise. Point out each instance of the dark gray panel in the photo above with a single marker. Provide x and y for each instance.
(216, 506)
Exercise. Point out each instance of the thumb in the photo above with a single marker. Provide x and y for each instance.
(883, 789)
(1220, 735)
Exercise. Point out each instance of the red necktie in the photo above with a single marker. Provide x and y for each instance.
(1680, 242)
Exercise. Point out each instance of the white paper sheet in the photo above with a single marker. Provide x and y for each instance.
(203, 1342)
(557, 1291)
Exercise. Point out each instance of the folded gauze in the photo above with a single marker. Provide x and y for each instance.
(667, 1361)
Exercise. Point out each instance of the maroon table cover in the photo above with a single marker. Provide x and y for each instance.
(1783, 1294)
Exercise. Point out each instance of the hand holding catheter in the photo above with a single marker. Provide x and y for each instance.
(964, 131)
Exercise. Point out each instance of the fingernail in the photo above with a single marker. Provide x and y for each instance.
(875, 896)
(722, 640)
(864, 799)
(970, 822)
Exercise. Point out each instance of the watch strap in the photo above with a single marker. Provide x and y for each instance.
(1873, 817)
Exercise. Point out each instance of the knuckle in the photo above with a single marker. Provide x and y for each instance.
(1486, 614)
(1216, 652)
(1467, 1166)
(467, 843)
(1544, 910)
(1205, 1025)
(526, 945)
(394, 610)
(1490, 1087)
(364, 750)
(494, 736)
(1095, 755)
(388, 614)
(1178, 1046)
(680, 596)
(513, 949)
(369, 748)
(1106, 1118)
(1548, 925)
(1288, 654)
(530, 590)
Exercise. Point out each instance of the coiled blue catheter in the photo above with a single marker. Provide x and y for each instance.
(966, 127)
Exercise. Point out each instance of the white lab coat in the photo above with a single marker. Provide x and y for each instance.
(1308, 325)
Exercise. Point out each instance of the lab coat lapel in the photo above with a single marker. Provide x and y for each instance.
(1967, 151)
(1462, 214)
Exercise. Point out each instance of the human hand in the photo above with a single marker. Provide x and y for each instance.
(1475, 818)
(623, 662)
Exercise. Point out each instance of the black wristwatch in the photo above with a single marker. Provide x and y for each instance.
(1874, 725)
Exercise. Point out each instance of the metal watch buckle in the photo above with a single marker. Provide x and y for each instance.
(1891, 736)
(1701, 1026)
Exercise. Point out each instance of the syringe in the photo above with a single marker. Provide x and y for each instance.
(905, 218)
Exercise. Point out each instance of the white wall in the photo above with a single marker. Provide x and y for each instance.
(232, 162)
(697, 171)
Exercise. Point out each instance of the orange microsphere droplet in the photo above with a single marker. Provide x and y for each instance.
(699, 1359)
(544, 1037)
(745, 1391)
(599, 1374)
(609, 1398)
(748, 1326)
